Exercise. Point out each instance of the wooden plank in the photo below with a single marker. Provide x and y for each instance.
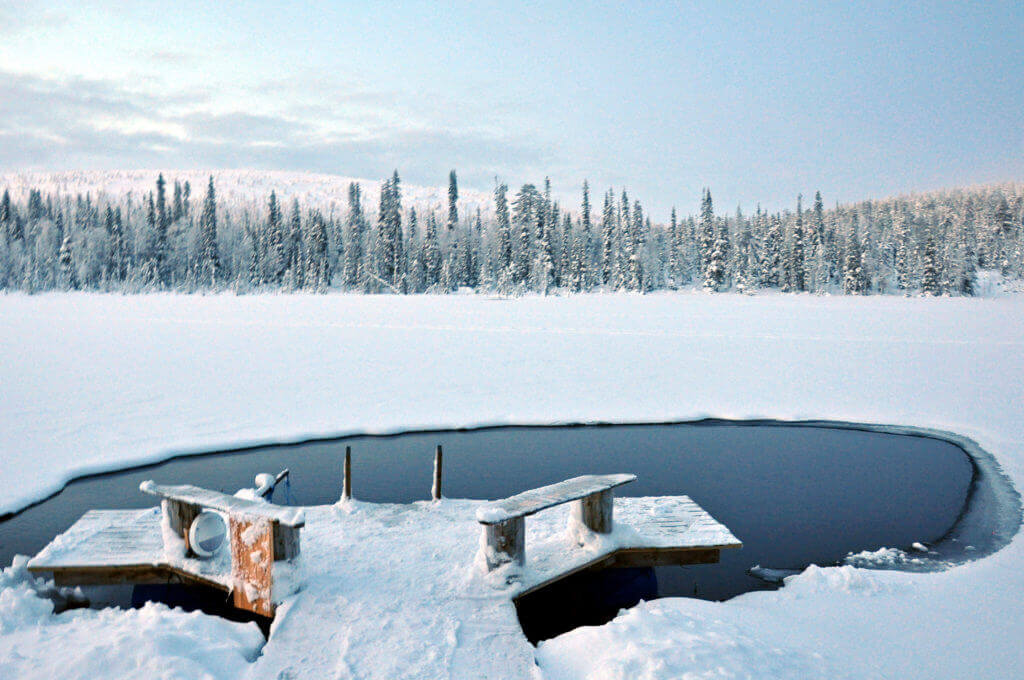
(663, 557)
(627, 558)
(232, 505)
(252, 560)
(148, 574)
(535, 500)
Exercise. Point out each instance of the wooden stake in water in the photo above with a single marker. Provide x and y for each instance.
(435, 491)
(346, 484)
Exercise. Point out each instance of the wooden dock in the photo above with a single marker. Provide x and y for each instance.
(420, 575)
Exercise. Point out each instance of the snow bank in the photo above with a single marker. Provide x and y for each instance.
(153, 642)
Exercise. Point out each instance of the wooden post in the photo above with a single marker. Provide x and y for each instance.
(346, 483)
(252, 564)
(286, 542)
(506, 542)
(435, 490)
(595, 511)
(179, 516)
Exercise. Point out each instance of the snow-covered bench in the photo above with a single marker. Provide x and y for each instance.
(505, 525)
(260, 534)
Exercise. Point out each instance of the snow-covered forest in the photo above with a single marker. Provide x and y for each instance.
(179, 236)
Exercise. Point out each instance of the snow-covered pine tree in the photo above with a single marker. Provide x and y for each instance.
(162, 225)
(525, 207)
(929, 267)
(714, 278)
(177, 207)
(432, 258)
(294, 261)
(707, 232)
(635, 268)
(608, 239)
(318, 269)
(771, 263)
(673, 250)
(504, 229)
(69, 276)
(453, 199)
(853, 275)
(355, 243)
(796, 265)
(6, 217)
(208, 254)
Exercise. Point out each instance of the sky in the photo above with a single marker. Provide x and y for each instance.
(757, 102)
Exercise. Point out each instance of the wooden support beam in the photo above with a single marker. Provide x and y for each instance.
(179, 516)
(663, 557)
(346, 475)
(286, 542)
(595, 511)
(149, 574)
(435, 490)
(252, 564)
(506, 542)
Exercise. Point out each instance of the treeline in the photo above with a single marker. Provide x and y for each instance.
(171, 239)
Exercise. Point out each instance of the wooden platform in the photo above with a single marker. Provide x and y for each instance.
(409, 573)
(650, 531)
(106, 547)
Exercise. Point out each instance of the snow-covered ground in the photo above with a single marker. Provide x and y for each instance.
(97, 382)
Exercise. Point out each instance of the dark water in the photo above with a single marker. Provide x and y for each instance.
(794, 495)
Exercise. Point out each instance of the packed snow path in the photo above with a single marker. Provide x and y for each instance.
(400, 591)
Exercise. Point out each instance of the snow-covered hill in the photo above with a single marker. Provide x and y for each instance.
(237, 187)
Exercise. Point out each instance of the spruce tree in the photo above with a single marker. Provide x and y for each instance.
(67, 264)
(293, 253)
(318, 270)
(504, 239)
(929, 267)
(607, 238)
(208, 253)
(353, 273)
(771, 270)
(6, 217)
(432, 259)
(797, 271)
(673, 246)
(453, 198)
(162, 224)
(714, 277)
(707, 232)
(275, 257)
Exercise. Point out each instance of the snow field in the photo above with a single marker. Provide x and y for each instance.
(93, 382)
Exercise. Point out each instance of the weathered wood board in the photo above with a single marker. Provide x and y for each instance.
(252, 564)
(215, 500)
(535, 500)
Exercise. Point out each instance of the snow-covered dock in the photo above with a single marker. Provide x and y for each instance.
(414, 578)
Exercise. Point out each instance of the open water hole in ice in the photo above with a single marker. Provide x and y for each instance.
(794, 494)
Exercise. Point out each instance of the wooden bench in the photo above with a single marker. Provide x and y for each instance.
(505, 525)
(260, 535)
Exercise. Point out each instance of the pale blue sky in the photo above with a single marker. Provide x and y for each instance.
(756, 101)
